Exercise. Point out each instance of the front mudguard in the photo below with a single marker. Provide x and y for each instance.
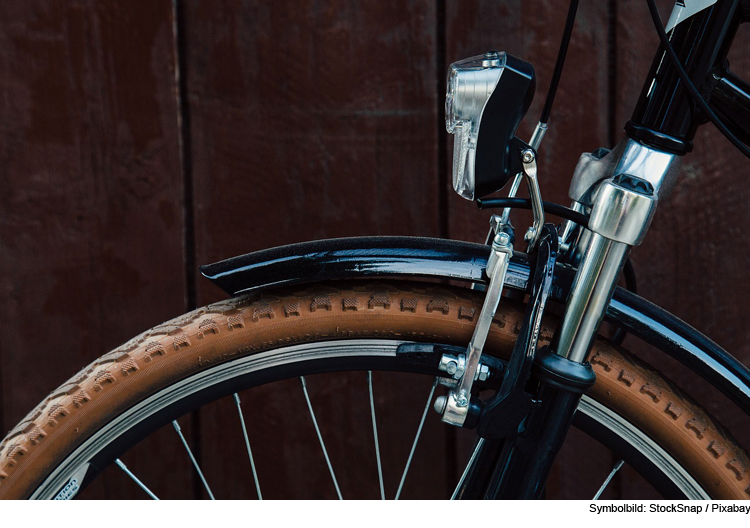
(349, 258)
(404, 257)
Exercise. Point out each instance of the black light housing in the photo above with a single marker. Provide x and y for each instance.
(487, 97)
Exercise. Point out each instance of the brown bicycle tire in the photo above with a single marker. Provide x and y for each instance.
(245, 325)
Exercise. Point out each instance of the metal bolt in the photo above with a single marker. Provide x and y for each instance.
(502, 239)
(462, 400)
(440, 404)
(451, 365)
(483, 373)
(527, 156)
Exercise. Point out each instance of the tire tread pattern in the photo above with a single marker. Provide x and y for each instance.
(210, 335)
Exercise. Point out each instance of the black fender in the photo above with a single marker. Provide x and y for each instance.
(347, 258)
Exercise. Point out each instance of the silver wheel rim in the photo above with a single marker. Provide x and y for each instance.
(75, 465)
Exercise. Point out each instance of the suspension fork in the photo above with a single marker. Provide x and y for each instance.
(630, 182)
(514, 462)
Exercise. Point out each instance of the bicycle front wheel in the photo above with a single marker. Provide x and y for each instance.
(297, 334)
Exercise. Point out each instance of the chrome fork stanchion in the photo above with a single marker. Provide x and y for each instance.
(629, 187)
(592, 289)
(623, 205)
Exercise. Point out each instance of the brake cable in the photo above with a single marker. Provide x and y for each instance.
(692, 90)
(561, 53)
(524, 203)
(541, 128)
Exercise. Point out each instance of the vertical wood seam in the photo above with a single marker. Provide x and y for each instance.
(442, 136)
(188, 203)
(612, 128)
(183, 120)
(443, 194)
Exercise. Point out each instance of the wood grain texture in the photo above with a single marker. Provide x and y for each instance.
(310, 120)
(91, 220)
(303, 120)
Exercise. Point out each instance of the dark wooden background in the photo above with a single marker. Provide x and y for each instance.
(141, 138)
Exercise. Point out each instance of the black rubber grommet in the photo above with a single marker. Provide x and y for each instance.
(472, 417)
(658, 139)
(561, 373)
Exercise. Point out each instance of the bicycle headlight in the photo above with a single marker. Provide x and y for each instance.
(470, 83)
(492, 90)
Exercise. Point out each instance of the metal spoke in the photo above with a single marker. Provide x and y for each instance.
(135, 479)
(375, 433)
(192, 458)
(416, 439)
(477, 449)
(617, 467)
(247, 444)
(320, 437)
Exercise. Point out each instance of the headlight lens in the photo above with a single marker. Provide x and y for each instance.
(470, 83)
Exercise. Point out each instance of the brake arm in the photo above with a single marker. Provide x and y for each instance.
(457, 405)
(504, 412)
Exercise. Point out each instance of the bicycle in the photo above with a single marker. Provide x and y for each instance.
(442, 318)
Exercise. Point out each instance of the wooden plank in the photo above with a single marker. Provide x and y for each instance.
(309, 120)
(91, 220)
(695, 258)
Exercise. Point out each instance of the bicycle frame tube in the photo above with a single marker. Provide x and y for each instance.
(730, 100)
(665, 116)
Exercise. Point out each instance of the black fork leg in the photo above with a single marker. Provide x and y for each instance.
(517, 467)
(525, 460)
